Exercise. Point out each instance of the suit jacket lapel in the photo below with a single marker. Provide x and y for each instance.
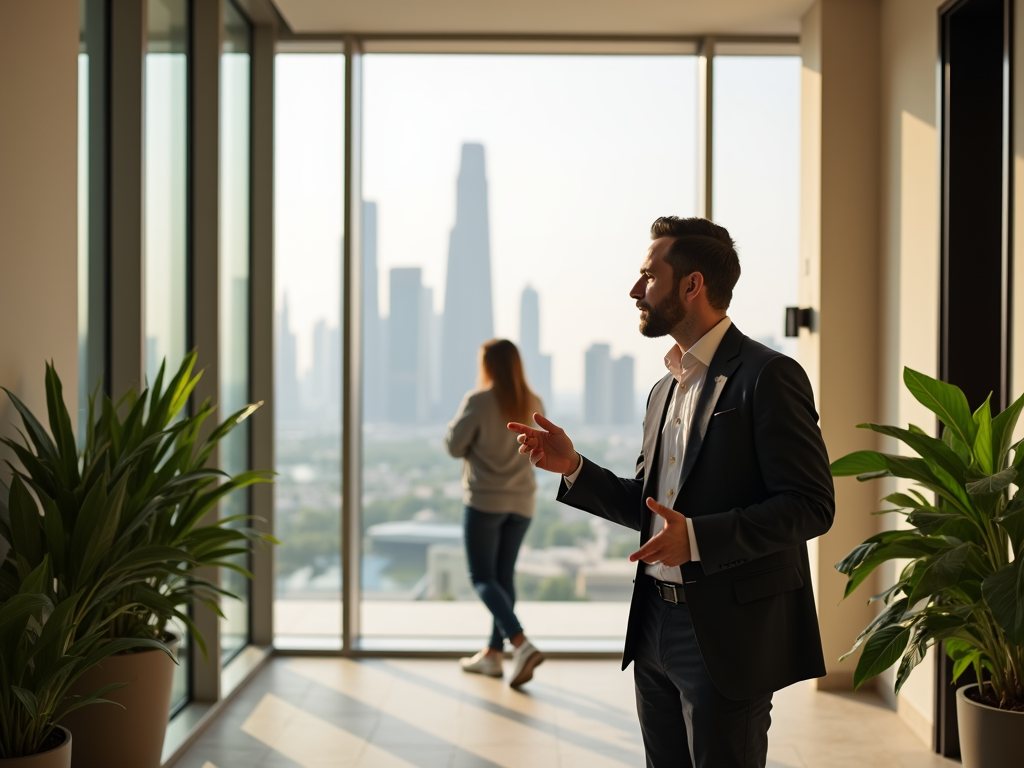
(653, 422)
(723, 364)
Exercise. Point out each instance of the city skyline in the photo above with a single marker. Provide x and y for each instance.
(417, 364)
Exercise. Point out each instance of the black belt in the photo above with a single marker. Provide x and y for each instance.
(670, 593)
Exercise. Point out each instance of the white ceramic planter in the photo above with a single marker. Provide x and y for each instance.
(989, 737)
(58, 757)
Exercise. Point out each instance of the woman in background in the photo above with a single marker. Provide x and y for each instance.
(499, 498)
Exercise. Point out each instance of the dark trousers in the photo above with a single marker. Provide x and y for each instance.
(492, 545)
(685, 721)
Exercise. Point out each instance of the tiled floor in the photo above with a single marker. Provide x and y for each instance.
(315, 713)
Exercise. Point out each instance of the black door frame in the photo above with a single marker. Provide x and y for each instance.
(976, 236)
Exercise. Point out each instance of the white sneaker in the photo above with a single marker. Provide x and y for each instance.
(525, 659)
(482, 664)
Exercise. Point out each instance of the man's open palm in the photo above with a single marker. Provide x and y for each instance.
(548, 448)
(671, 545)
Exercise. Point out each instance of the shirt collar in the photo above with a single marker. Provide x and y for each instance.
(703, 351)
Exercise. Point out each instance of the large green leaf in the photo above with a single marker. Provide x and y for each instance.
(1004, 593)
(916, 649)
(42, 442)
(944, 400)
(1012, 521)
(996, 483)
(1003, 426)
(983, 437)
(963, 653)
(881, 651)
(60, 427)
(910, 547)
(893, 614)
(26, 523)
(942, 573)
(859, 463)
(929, 448)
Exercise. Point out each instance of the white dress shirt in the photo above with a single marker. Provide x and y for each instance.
(689, 369)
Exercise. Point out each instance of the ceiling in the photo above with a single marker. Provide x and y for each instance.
(545, 17)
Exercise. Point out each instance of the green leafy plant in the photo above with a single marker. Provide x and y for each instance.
(44, 649)
(132, 505)
(964, 538)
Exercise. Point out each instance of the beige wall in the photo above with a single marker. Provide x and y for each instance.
(38, 216)
(839, 280)
(870, 266)
(910, 257)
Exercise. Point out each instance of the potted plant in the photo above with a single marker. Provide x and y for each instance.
(153, 461)
(964, 582)
(44, 649)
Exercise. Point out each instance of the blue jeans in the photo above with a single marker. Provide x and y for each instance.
(492, 545)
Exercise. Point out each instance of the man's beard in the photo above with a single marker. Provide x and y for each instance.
(663, 317)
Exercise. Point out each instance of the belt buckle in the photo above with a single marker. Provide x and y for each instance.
(671, 590)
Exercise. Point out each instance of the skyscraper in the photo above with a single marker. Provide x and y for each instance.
(537, 366)
(424, 390)
(597, 385)
(374, 371)
(286, 387)
(405, 354)
(623, 395)
(468, 309)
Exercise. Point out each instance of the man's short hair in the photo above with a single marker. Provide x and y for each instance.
(701, 246)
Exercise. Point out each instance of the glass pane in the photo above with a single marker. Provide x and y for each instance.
(234, 299)
(84, 386)
(757, 187)
(92, 251)
(166, 164)
(509, 196)
(166, 137)
(309, 139)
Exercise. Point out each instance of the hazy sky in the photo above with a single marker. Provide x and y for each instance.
(582, 153)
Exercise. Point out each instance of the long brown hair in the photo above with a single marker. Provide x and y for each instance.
(502, 368)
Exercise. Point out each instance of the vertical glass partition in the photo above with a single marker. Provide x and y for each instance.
(92, 199)
(166, 194)
(508, 196)
(309, 171)
(757, 186)
(166, 202)
(235, 77)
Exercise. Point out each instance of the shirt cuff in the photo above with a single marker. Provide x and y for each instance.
(570, 479)
(694, 552)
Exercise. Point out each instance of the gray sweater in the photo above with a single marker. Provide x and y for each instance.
(495, 476)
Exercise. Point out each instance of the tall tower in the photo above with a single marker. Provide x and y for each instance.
(536, 365)
(374, 373)
(597, 385)
(468, 309)
(405, 355)
(286, 388)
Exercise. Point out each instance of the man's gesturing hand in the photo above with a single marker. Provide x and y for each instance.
(671, 546)
(548, 448)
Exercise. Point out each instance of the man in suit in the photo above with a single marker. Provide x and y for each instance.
(732, 482)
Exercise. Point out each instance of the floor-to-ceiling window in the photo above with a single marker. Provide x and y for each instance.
(84, 374)
(508, 196)
(309, 141)
(235, 126)
(165, 218)
(756, 186)
(166, 196)
(92, 155)
(502, 196)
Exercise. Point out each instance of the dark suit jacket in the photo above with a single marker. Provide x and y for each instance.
(756, 483)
